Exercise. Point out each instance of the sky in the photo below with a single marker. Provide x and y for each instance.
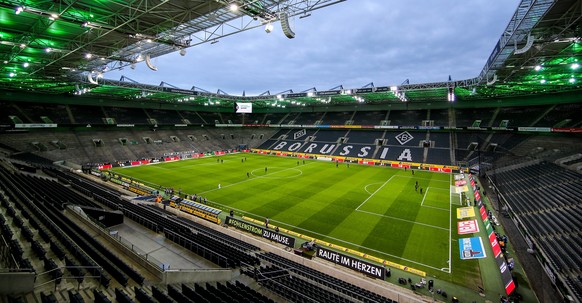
(352, 43)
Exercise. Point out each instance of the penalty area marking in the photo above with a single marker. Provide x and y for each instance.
(366, 187)
(433, 207)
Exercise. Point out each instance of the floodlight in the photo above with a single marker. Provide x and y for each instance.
(572, 80)
(543, 81)
(538, 68)
(12, 75)
(233, 7)
(268, 27)
(575, 65)
(88, 55)
(48, 49)
(26, 64)
(182, 52)
(19, 9)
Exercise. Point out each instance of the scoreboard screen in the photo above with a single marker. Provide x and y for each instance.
(243, 108)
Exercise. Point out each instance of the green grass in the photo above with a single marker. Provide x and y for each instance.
(375, 210)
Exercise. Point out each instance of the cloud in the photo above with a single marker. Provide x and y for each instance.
(351, 43)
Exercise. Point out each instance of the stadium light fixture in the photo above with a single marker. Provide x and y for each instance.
(48, 50)
(26, 64)
(572, 80)
(575, 66)
(233, 7)
(88, 56)
(538, 68)
(11, 75)
(269, 28)
(18, 10)
(182, 52)
(543, 81)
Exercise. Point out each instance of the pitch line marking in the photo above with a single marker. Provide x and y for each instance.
(377, 190)
(437, 208)
(404, 220)
(424, 197)
(411, 177)
(366, 188)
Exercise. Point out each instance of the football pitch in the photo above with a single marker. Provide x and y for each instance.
(375, 210)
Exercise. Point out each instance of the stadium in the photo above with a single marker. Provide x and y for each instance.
(118, 190)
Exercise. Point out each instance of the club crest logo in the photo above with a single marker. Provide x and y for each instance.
(299, 134)
(404, 137)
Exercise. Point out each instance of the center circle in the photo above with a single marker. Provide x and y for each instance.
(277, 173)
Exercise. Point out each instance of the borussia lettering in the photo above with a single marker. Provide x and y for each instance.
(346, 150)
(310, 148)
(280, 146)
(405, 155)
(295, 146)
(364, 151)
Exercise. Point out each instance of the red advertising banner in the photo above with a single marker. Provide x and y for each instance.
(105, 166)
(467, 227)
(460, 183)
(477, 196)
(140, 162)
(483, 213)
(567, 130)
(494, 244)
(509, 287)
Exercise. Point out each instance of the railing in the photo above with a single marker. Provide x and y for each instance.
(126, 243)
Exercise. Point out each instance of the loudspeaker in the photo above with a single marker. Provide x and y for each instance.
(285, 25)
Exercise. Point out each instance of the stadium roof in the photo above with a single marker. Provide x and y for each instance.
(64, 47)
